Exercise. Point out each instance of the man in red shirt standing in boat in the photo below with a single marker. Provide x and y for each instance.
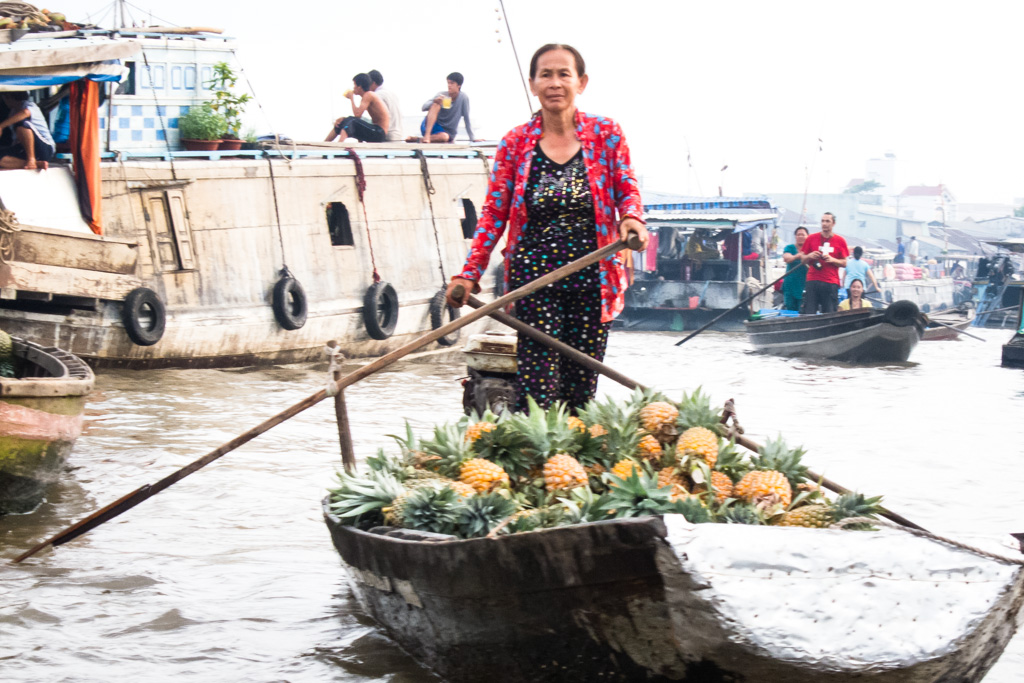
(824, 253)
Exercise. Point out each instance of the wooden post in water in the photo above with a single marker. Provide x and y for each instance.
(348, 455)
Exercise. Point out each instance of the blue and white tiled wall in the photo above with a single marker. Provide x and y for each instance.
(146, 125)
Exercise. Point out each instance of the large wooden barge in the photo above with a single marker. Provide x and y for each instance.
(220, 258)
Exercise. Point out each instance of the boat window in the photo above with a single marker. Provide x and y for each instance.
(468, 219)
(339, 225)
(127, 86)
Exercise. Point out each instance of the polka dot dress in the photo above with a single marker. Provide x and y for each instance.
(560, 229)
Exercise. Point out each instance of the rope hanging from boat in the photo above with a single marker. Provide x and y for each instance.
(159, 113)
(8, 226)
(515, 53)
(929, 535)
(487, 162)
(361, 187)
(429, 185)
(277, 213)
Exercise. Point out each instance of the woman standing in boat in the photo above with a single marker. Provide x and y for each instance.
(856, 299)
(562, 185)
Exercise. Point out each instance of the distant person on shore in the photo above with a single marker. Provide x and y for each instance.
(32, 145)
(914, 251)
(796, 275)
(824, 253)
(355, 126)
(856, 269)
(390, 100)
(901, 251)
(856, 298)
(444, 110)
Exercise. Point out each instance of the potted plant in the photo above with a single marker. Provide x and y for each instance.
(228, 103)
(201, 128)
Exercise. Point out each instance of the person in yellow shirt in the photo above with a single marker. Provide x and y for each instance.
(856, 298)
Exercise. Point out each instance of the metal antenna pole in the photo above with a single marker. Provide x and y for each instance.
(515, 53)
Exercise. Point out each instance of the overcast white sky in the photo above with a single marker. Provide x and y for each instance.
(748, 84)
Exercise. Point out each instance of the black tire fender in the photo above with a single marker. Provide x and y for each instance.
(290, 305)
(902, 313)
(438, 308)
(380, 310)
(144, 316)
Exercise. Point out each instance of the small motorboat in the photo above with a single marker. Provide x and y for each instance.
(659, 599)
(958, 318)
(40, 418)
(866, 335)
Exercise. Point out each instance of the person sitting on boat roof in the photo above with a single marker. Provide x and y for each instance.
(32, 146)
(796, 276)
(355, 126)
(390, 100)
(444, 111)
(824, 253)
(856, 269)
(856, 299)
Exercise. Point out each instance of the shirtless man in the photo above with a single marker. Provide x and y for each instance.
(356, 127)
(32, 145)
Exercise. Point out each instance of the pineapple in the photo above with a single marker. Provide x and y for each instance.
(765, 489)
(449, 447)
(482, 475)
(731, 461)
(721, 484)
(650, 448)
(700, 441)
(822, 515)
(659, 420)
(597, 430)
(775, 455)
(564, 472)
(575, 424)
(545, 433)
(614, 431)
(482, 513)
(673, 479)
(639, 495)
(435, 510)
(461, 488)
(477, 429)
(624, 469)
(363, 499)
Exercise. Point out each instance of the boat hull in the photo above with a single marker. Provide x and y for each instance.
(652, 599)
(40, 419)
(862, 336)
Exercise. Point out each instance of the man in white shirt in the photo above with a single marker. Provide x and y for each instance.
(914, 250)
(390, 101)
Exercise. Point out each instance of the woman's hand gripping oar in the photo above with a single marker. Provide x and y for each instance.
(147, 491)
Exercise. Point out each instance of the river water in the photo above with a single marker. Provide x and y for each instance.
(230, 574)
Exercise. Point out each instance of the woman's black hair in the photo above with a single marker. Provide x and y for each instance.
(581, 67)
(799, 228)
(857, 253)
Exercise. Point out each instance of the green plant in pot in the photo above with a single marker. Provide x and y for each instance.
(227, 102)
(201, 128)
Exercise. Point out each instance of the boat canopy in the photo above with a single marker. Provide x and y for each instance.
(32, 64)
(1014, 245)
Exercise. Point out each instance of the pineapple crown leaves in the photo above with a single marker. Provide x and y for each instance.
(504, 446)
(480, 514)
(693, 511)
(582, 505)
(437, 510)
(386, 463)
(637, 495)
(536, 518)
(641, 396)
(732, 461)
(449, 444)
(738, 512)
(776, 455)
(546, 432)
(409, 443)
(852, 504)
(695, 411)
(361, 499)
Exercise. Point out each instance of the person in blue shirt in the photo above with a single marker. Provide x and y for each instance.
(901, 251)
(856, 269)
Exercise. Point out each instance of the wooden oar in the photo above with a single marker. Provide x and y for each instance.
(143, 493)
(745, 301)
(607, 371)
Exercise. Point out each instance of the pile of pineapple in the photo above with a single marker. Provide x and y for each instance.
(490, 474)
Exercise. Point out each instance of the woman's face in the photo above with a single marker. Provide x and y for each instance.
(556, 83)
(801, 237)
(856, 289)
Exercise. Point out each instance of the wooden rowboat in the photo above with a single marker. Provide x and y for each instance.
(40, 419)
(658, 599)
(866, 335)
(959, 318)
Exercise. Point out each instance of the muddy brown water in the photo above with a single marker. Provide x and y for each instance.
(230, 574)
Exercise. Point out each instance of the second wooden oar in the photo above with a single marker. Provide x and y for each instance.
(745, 301)
(132, 499)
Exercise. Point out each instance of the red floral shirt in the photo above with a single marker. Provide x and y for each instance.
(612, 184)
